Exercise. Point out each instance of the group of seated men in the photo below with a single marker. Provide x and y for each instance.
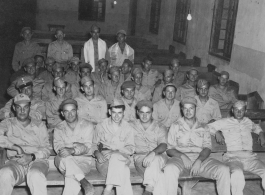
(164, 121)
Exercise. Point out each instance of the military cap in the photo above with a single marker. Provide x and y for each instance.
(239, 104)
(168, 71)
(224, 73)
(117, 102)
(129, 62)
(68, 101)
(128, 84)
(114, 69)
(25, 28)
(143, 103)
(137, 71)
(103, 60)
(21, 98)
(170, 85)
(57, 82)
(122, 32)
(86, 79)
(24, 81)
(28, 61)
(75, 59)
(85, 65)
(202, 82)
(94, 26)
(189, 100)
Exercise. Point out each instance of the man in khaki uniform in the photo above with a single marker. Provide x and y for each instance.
(168, 77)
(189, 146)
(222, 93)
(189, 88)
(142, 92)
(24, 49)
(29, 66)
(27, 143)
(167, 110)
(128, 91)
(37, 106)
(126, 69)
(72, 74)
(235, 132)
(60, 50)
(92, 107)
(179, 77)
(113, 144)
(72, 143)
(151, 77)
(46, 75)
(120, 51)
(207, 110)
(53, 114)
(150, 139)
(112, 89)
(101, 76)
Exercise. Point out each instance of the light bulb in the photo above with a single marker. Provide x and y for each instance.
(115, 2)
(189, 17)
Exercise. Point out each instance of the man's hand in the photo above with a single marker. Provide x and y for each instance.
(195, 170)
(100, 157)
(24, 159)
(64, 152)
(148, 159)
(219, 137)
(186, 161)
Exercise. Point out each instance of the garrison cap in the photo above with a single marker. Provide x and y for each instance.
(137, 71)
(122, 32)
(202, 82)
(24, 81)
(128, 84)
(189, 100)
(117, 102)
(224, 73)
(25, 28)
(28, 61)
(114, 69)
(143, 103)
(21, 98)
(58, 82)
(86, 79)
(75, 59)
(239, 104)
(68, 101)
(85, 65)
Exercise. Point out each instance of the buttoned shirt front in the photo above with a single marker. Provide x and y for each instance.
(23, 51)
(94, 110)
(83, 133)
(208, 111)
(189, 140)
(130, 110)
(237, 134)
(179, 78)
(119, 138)
(225, 98)
(185, 90)
(147, 140)
(144, 93)
(60, 52)
(151, 77)
(32, 139)
(165, 116)
(117, 57)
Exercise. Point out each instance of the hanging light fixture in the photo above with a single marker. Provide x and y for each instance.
(189, 16)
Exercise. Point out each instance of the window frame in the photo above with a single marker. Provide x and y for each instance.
(82, 11)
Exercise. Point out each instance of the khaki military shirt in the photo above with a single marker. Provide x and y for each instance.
(144, 93)
(109, 92)
(151, 77)
(60, 52)
(130, 110)
(185, 90)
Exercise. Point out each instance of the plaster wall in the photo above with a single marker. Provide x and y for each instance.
(65, 12)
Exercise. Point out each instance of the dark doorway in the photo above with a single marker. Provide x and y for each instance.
(132, 16)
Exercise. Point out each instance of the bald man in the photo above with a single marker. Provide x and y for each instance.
(222, 93)
(235, 132)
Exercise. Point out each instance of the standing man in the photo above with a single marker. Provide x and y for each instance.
(92, 107)
(189, 148)
(27, 143)
(60, 50)
(167, 110)
(121, 50)
(24, 49)
(235, 132)
(128, 91)
(150, 145)
(95, 48)
(113, 144)
(72, 143)
(222, 93)
(189, 88)
(179, 77)
(142, 92)
(207, 110)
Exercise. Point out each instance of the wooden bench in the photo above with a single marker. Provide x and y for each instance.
(187, 182)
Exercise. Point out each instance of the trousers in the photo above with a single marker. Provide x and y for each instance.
(210, 168)
(153, 175)
(117, 173)
(74, 168)
(12, 174)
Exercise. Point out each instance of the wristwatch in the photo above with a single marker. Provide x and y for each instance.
(33, 157)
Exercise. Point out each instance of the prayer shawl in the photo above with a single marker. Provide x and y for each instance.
(89, 51)
(117, 57)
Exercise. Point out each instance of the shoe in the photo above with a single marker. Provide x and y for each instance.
(88, 187)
